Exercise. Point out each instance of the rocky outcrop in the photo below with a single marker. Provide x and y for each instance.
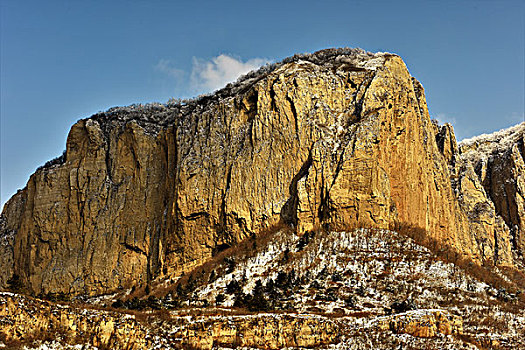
(23, 319)
(340, 138)
(261, 332)
(498, 163)
(423, 323)
(281, 331)
(495, 243)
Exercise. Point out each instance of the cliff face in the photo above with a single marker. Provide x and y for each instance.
(340, 138)
(498, 163)
(23, 319)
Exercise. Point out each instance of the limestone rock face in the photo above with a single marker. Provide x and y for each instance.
(94, 222)
(340, 138)
(262, 332)
(423, 323)
(23, 319)
(498, 162)
(9, 221)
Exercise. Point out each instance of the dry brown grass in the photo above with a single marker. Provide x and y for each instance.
(494, 323)
(482, 343)
(361, 314)
(11, 344)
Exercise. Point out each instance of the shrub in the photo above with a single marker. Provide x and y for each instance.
(134, 304)
(233, 287)
(350, 301)
(213, 277)
(315, 284)
(152, 303)
(304, 240)
(230, 264)
(403, 306)
(181, 291)
(329, 295)
(118, 304)
(323, 274)
(241, 300)
(14, 284)
(220, 298)
(286, 281)
(54, 297)
(360, 291)
(336, 277)
(258, 301)
(272, 292)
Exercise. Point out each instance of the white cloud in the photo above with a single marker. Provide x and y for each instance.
(165, 66)
(211, 75)
(443, 118)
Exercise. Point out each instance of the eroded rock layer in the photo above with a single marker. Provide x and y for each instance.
(23, 319)
(340, 138)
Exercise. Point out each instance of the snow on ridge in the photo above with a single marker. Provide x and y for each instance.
(484, 146)
(503, 135)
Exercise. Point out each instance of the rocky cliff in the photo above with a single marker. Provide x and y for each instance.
(498, 160)
(340, 138)
(23, 319)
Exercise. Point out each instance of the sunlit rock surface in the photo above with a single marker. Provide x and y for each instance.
(341, 138)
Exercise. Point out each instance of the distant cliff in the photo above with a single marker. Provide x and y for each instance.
(339, 138)
(498, 161)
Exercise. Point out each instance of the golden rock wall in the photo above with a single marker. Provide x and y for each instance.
(344, 141)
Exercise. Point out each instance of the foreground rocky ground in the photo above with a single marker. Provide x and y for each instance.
(363, 289)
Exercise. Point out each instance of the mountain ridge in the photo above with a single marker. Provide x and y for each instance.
(337, 138)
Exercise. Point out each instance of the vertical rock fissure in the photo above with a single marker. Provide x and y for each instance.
(107, 147)
(508, 220)
(295, 117)
(289, 209)
(273, 104)
(223, 220)
(496, 248)
(135, 158)
(251, 111)
(339, 166)
(324, 208)
(359, 104)
(80, 202)
(177, 231)
(153, 256)
(416, 85)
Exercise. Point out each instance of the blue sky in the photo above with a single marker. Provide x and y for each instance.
(65, 60)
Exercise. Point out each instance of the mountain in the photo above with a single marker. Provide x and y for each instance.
(150, 198)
